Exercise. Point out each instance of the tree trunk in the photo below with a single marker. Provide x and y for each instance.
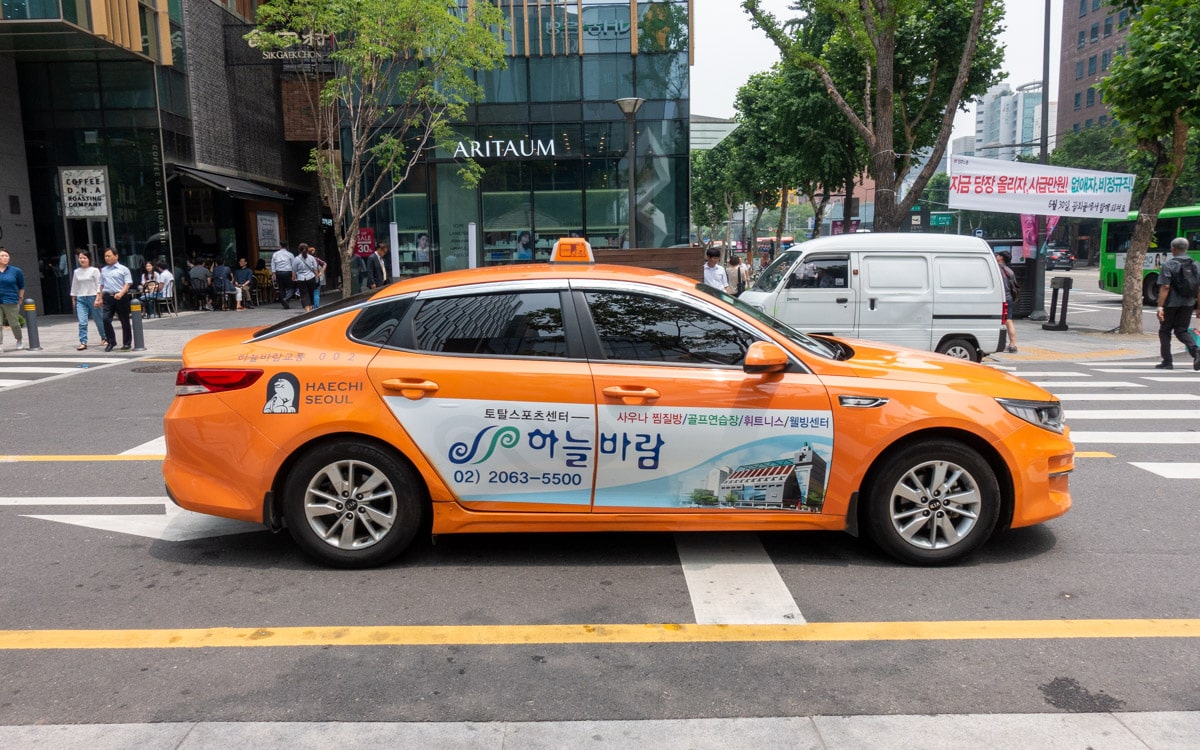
(1167, 166)
(848, 206)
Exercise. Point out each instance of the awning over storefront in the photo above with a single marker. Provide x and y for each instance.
(234, 186)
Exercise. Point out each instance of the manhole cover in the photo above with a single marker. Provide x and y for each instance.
(158, 369)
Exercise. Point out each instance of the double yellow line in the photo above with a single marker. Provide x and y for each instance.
(665, 633)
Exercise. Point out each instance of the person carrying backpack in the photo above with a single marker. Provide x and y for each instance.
(1179, 282)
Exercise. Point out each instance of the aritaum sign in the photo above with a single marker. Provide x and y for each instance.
(504, 149)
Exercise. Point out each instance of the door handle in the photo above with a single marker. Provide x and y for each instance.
(631, 394)
(842, 300)
(411, 387)
(872, 303)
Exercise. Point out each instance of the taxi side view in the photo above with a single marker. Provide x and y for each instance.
(575, 397)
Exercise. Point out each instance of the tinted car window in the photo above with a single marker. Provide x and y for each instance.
(830, 272)
(522, 324)
(651, 329)
(774, 273)
(377, 323)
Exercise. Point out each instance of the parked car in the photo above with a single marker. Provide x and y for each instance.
(940, 293)
(569, 396)
(1060, 259)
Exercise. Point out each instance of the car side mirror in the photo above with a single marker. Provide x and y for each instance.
(764, 356)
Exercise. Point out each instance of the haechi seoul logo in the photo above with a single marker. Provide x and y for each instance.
(500, 149)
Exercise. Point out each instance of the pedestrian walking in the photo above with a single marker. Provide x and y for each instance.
(1178, 290)
(739, 275)
(12, 297)
(1011, 292)
(281, 266)
(714, 272)
(115, 281)
(85, 285)
(304, 274)
(376, 274)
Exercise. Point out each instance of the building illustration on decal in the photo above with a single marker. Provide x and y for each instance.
(796, 483)
(281, 394)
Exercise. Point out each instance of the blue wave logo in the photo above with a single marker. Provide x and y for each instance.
(505, 437)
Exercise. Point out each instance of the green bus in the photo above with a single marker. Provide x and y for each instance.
(1115, 235)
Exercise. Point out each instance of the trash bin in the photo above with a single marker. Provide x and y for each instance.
(1027, 277)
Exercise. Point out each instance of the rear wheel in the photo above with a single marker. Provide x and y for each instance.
(352, 504)
(1150, 289)
(933, 503)
(959, 349)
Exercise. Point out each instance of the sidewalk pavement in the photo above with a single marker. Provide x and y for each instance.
(1166, 730)
(166, 336)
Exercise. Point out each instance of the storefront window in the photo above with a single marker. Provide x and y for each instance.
(127, 85)
(75, 86)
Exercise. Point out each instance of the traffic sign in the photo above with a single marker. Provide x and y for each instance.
(979, 233)
(941, 219)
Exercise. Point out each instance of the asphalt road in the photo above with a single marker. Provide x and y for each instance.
(1126, 551)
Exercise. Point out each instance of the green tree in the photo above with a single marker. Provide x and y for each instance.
(403, 73)
(715, 191)
(898, 70)
(1154, 90)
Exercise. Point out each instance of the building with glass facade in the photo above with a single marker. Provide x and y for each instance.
(553, 144)
(165, 101)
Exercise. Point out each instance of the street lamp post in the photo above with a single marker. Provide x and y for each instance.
(1039, 267)
(629, 107)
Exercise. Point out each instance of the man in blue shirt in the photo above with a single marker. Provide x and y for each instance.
(12, 296)
(115, 281)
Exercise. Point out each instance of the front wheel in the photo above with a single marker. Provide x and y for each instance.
(933, 503)
(352, 504)
(959, 349)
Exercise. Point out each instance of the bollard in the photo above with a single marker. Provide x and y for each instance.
(135, 320)
(29, 311)
(1064, 283)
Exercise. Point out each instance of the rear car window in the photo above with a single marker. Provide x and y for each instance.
(513, 324)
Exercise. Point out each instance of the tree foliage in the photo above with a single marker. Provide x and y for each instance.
(714, 190)
(1154, 90)
(898, 71)
(403, 73)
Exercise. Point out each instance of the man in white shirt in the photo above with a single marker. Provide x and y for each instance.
(281, 266)
(714, 272)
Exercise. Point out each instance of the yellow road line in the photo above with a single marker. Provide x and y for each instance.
(1093, 454)
(118, 457)
(497, 635)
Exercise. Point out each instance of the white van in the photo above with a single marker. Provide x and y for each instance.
(935, 292)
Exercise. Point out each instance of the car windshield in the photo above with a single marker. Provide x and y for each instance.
(774, 273)
(808, 343)
(318, 312)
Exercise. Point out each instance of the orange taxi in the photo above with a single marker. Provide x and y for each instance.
(570, 396)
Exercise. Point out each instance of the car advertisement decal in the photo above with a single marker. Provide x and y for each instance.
(648, 457)
(505, 451)
(753, 459)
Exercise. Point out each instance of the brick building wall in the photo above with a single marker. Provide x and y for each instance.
(238, 115)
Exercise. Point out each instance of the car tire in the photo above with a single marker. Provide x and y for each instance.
(932, 503)
(959, 349)
(1150, 290)
(366, 521)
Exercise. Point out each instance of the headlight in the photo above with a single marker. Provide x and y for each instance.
(1045, 414)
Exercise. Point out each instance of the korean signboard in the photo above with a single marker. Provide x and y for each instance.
(1019, 188)
(84, 192)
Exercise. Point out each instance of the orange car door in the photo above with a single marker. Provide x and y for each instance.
(683, 426)
(492, 386)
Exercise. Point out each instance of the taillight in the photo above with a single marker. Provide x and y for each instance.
(1003, 314)
(193, 380)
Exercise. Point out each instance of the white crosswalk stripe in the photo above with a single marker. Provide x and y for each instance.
(22, 369)
(1171, 470)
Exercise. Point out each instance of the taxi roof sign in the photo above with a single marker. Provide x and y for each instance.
(572, 250)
